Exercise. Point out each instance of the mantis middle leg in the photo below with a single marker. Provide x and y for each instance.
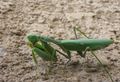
(75, 32)
(82, 54)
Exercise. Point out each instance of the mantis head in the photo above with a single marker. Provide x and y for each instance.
(32, 39)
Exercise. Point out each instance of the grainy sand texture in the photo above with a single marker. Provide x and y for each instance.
(56, 18)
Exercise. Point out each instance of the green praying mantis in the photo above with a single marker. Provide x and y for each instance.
(40, 45)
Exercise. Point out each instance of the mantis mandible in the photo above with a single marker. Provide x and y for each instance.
(40, 46)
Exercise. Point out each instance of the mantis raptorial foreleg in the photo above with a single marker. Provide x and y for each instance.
(36, 63)
(34, 58)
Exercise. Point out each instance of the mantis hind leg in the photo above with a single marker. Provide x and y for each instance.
(88, 48)
(101, 64)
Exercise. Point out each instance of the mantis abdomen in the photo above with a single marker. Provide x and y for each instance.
(82, 44)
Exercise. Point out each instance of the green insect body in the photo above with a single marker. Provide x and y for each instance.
(82, 44)
(78, 45)
(40, 46)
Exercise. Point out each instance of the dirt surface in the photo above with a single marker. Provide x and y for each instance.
(56, 18)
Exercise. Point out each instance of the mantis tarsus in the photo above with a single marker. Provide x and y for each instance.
(40, 46)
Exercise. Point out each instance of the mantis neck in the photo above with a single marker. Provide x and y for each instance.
(48, 39)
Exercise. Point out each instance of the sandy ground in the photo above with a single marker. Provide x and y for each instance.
(56, 18)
